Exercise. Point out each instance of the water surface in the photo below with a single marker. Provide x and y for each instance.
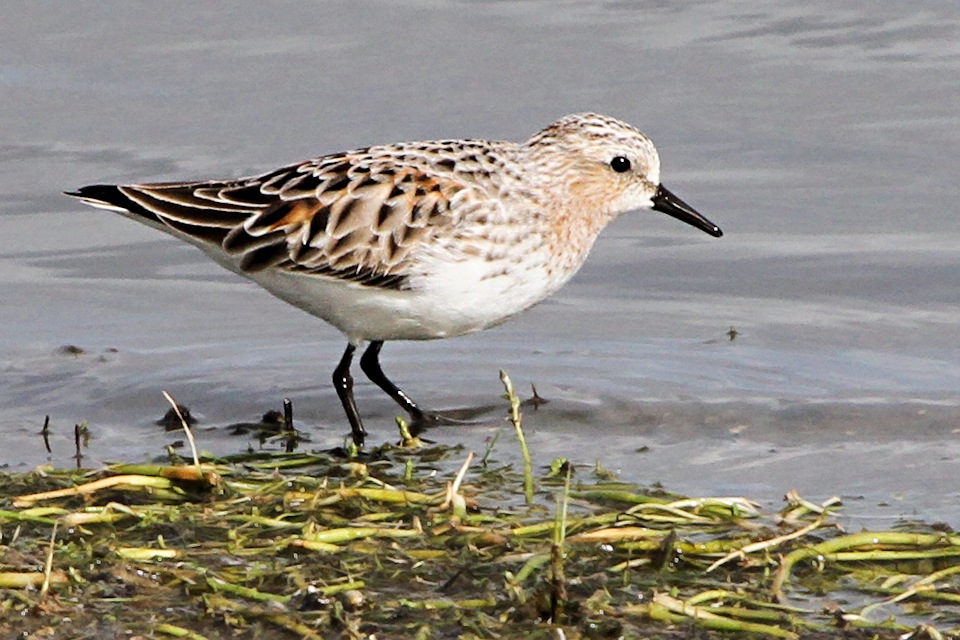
(822, 139)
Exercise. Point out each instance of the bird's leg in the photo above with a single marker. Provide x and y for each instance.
(370, 363)
(343, 383)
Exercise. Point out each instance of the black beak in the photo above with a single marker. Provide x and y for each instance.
(666, 202)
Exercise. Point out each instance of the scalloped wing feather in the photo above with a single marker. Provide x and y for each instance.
(346, 216)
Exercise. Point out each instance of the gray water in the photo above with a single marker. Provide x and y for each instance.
(822, 138)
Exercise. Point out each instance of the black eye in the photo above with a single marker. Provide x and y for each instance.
(620, 164)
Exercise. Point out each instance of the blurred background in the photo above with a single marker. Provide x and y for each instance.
(821, 137)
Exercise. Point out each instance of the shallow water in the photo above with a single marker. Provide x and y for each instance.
(823, 142)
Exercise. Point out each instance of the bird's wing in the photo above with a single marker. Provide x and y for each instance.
(351, 216)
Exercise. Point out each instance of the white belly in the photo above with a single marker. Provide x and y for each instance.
(459, 298)
(447, 294)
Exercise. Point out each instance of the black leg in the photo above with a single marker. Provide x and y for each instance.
(343, 383)
(370, 363)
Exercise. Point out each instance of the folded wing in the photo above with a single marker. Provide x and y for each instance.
(344, 216)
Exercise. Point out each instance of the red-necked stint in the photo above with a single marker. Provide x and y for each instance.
(415, 240)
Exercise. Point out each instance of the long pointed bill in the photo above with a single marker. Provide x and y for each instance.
(666, 202)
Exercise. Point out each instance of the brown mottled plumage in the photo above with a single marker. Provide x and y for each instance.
(416, 240)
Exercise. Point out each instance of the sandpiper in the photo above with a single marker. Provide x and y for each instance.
(415, 240)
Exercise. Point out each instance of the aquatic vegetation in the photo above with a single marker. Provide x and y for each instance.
(428, 541)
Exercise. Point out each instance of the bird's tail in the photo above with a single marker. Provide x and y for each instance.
(112, 198)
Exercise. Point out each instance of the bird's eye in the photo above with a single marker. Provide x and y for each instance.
(620, 164)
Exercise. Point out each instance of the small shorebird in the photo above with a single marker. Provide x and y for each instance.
(415, 240)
